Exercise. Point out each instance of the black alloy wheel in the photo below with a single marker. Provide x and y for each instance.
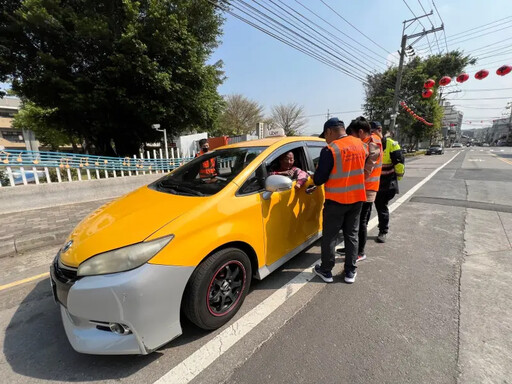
(217, 288)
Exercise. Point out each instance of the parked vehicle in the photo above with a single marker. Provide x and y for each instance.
(457, 145)
(187, 244)
(435, 150)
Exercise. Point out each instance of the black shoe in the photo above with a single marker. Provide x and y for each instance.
(341, 251)
(325, 276)
(381, 238)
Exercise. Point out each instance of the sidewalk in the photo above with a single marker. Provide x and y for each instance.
(28, 230)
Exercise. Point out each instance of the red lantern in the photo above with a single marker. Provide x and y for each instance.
(504, 70)
(462, 77)
(429, 83)
(482, 74)
(445, 80)
(426, 93)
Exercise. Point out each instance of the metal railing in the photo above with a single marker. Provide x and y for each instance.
(20, 167)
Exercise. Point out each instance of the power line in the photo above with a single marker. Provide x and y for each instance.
(282, 26)
(353, 26)
(489, 48)
(491, 63)
(365, 56)
(485, 90)
(484, 98)
(292, 44)
(481, 26)
(432, 24)
(479, 34)
(362, 65)
(429, 46)
(442, 23)
(334, 113)
(340, 31)
(475, 107)
(484, 34)
(497, 54)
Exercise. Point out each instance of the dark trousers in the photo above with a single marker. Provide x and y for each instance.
(336, 217)
(366, 212)
(381, 204)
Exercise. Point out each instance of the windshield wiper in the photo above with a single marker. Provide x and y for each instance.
(180, 188)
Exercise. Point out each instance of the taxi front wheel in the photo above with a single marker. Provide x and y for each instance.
(217, 288)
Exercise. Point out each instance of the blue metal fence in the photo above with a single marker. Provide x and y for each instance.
(14, 157)
(40, 161)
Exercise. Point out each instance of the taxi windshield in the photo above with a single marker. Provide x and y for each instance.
(209, 173)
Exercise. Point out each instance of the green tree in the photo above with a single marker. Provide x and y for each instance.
(39, 120)
(289, 117)
(108, 69)
(380, 89)
(240, 116)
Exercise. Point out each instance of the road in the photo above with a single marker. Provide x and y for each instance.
(432, 305)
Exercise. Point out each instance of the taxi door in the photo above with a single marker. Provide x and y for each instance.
(290, 217)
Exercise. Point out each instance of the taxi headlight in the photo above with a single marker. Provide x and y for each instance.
(123, 259)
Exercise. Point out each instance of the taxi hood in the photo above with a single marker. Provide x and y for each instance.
(128, 220)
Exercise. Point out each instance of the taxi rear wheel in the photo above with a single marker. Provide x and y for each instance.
(217, 288)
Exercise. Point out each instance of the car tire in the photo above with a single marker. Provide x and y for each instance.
(217, 288)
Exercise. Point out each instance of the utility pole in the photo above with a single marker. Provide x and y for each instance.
(403, 45)
(508, 140)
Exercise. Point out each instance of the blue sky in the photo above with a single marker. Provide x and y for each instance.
(267, 71)
(270, 72)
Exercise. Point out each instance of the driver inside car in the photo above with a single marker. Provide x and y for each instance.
(286, 168)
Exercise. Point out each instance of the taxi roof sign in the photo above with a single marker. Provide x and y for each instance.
(274, 132)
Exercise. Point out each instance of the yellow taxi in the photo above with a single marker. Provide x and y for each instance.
(190, 242)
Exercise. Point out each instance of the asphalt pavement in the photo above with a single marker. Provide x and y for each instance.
(431, 305)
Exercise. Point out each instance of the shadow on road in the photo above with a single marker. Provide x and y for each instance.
(36, 345)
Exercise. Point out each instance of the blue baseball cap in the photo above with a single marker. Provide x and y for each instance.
(332, 122)
(374, 125)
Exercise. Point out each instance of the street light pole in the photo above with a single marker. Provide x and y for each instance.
(156, 128)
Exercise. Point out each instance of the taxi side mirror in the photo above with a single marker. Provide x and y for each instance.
(276, 183)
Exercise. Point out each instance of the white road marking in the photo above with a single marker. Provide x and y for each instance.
(197, 362)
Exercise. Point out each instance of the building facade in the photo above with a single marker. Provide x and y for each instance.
(11, 138)
(451, 124)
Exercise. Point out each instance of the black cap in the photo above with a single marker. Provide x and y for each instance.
(375, 125)
(332, 122)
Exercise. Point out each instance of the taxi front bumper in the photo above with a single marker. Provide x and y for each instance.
(146, 301)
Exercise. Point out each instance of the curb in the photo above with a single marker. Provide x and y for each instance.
(18, 245)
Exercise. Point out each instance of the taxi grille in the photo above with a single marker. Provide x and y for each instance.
(65, 275)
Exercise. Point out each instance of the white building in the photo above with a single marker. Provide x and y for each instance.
(451, 124)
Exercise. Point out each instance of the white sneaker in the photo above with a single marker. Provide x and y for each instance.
(350, 277)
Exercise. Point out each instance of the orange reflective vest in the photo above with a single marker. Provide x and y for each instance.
(207, 167)
(372, 182)
(346, 181)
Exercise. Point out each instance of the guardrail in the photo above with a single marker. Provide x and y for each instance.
(26, 167)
